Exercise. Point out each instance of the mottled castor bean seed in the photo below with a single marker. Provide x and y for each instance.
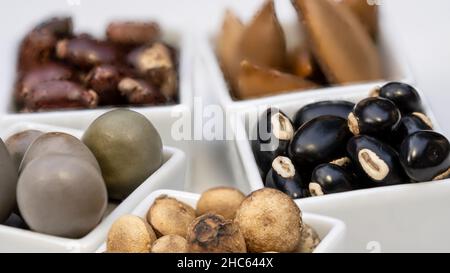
(104, 80)
(155, 64)
(133, 33)
(140, 92)
(84, 51)
(58, 95)
(47, 72)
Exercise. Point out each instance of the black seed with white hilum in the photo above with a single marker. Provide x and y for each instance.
(284, 167)
(377, 160)
(281, 127)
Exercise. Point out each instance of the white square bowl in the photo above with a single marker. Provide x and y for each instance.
(331, 231)
(87, 18)
(395, 64)
(170, 175)
(378, 219)
(245, 121)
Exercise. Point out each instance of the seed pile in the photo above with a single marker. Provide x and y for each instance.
(59, 69)
(63, 184)
(337, 146)
(340, 47)
(224, 221)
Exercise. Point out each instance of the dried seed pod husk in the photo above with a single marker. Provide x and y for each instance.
(228, 47)
(133, 32)
(169, 244)
(302, 63)
(156, 65)
(86, 52)
(309, 240)
(366, 13)
(130, 234)
(258, 81)
(168, 216)
(269, 221)
(263, 42)
(223, 201)
(140, 92)
(341, 44)
(211, 233)
(53, 95)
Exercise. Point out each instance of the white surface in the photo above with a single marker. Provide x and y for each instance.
(331, 231)
(169, 175)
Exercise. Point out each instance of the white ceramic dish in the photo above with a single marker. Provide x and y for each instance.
(170, 175)
(87, 19)
(395, 65)
(244, 125)
(405, 218)
(392, 209)
(331, 231)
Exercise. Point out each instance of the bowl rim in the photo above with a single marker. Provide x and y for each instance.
(172, 159)
(329, 241)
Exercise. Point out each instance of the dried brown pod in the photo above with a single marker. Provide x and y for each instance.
(228, 47)
(343, 47)
(133, 32)
(367, 13)
(85, 51)
(263, 41)
(104, 80)
(211, 233)
(59, 95)
(168, 216)
(258, 81)
(269, 221)
(130, 234)
(155, 63)
(301, 62)
(140, 92)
